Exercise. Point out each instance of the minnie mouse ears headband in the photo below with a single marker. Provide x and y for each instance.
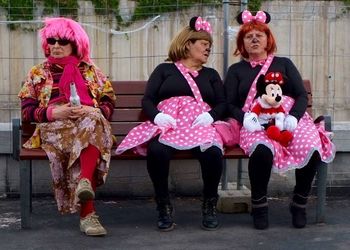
(198, 24)
(246, 17)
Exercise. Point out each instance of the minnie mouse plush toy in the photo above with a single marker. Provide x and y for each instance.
(268, 109)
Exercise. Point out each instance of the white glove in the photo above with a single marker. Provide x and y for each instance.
(279, 120)
(164, 120)
(290, 123)
(251, 122)
(203, 119)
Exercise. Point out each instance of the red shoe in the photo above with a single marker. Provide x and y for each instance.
(273, 133)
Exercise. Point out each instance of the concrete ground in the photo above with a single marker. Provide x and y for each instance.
(131, 224)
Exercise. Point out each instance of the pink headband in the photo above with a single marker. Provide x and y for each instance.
(247, 17)
(197, 23)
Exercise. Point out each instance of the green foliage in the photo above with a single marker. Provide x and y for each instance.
(106, 7)
(64, 7)
(254, 5)
(24, 9)
(149, 8)
(19, 9)
(347, 4)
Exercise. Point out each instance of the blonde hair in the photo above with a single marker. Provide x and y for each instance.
(178, 49)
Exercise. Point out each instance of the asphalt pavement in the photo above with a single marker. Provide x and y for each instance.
(131, 224)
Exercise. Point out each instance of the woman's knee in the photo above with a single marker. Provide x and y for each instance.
(262, 152)
(214, 152)
(212, 155)
(157, 150)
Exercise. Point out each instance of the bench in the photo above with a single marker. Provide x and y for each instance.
(127, 114)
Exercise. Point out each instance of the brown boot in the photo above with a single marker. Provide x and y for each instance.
(297, 208)
(260, 217)
(260, 213)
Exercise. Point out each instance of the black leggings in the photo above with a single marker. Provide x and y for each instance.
(259, 167)
(158, 161)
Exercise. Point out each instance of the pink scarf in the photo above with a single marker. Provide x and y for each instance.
(70, 74)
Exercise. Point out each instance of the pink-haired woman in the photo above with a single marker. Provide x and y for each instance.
(76, 138)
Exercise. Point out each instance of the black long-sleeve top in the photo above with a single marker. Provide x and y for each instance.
(166, 81)
(241, 75)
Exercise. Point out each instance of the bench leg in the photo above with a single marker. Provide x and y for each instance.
(224, 175)
(239, 174)
(25, 193)
(321, 192)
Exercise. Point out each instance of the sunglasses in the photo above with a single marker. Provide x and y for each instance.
(62, 42)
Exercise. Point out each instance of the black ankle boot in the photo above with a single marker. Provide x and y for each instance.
(260, 217)
(209, 220)
(298, 215)
(297, 208)
(165, 219)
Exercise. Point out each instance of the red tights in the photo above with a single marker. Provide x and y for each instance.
(88, 163)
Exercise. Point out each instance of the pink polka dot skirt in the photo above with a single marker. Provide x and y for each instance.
(308, 138)
(184, 109)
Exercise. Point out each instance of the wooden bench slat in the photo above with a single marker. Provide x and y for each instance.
(123, 87)
(122, 128)
(30, 154)
(128, 115)
(128, 101)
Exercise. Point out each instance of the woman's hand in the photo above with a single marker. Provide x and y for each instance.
(164, 120)
(83, 110)
(66, 111)
(203, 119)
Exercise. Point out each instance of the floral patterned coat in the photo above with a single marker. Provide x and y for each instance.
(39, 82)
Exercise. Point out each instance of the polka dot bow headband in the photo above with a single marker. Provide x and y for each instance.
(197, 24)
(246, 17)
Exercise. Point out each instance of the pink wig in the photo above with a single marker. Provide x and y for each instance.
(69, 29)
